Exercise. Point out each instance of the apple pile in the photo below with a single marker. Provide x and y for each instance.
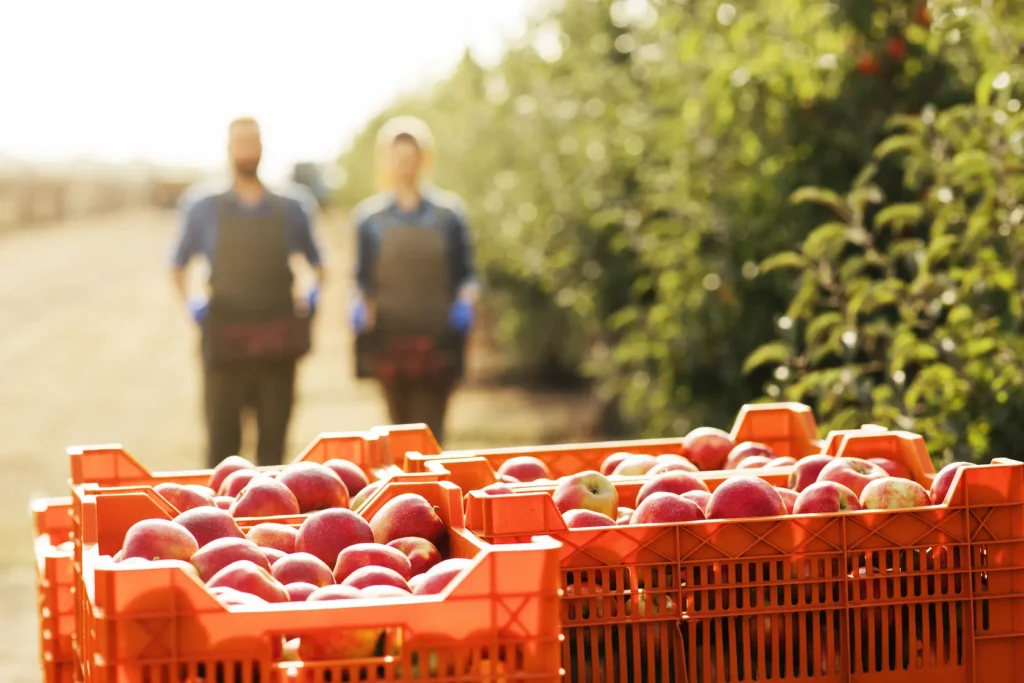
(334, 554)
(237, 486)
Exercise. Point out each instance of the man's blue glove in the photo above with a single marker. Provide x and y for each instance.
(198, 309)
(313, 301)
(461, 316)
(360, 317)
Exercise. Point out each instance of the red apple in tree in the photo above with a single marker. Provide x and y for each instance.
(806, 471)
(671, 482)
(893, 493)
(636, 466)
(579, 519)
(743, 496)
(852, 473)
(525, 468)
(230, 464)
(944, 480)
(825, 497)
(207, 524)
(158, 539)
(587, 491)
(895, 469)
(302, 568)
(612, 461)
(265, 497)
(355, 479)
(666, 508)
(408, 514)
(707, 447)
(745, 450)
(421, 553)
(314, 486)
(326, 533)
(788, 497)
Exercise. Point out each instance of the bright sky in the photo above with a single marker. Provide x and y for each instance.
(159, 80)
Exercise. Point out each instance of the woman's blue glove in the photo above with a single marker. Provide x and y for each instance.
(313, 301)
(360, 317)
(198, 309)
(461, 316)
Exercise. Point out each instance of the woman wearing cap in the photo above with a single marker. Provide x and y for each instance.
(416, 281)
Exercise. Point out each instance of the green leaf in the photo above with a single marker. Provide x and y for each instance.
(776, 352)
(874, 296)
(819, 195)
(900, 215)
(785, 259)
(825, 242)
(898, 143)
(820, 325)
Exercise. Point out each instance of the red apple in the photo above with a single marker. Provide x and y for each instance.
(273, 555)
(236, 481)
(421, 553)
(334, 592)
(497, 489)
(207, 524)
(225, 467)
(636, 466)
(265, 497)
(893, 493)
(788, 497)
(744, 450)
(315, 487)
(806, 470)
(675, 464)
(408, 514)
(364, 577)
(753, 462)
(359, 644)
(158, 539)
(587, 491)
(944, 480)
(298, 592)
(439, 576)
(612, 461)
(671, 482)
(853, 473)
(302, 568)
(701, 498)
(662, 507)
(624, 515)
(383, 592)
(183, 497)
(895, 469)
(221, 552)
(580, 519)
(326, 533)
(235, 598)
(742, 496)
(525, 468)
(707, 447)
(783, 461)
(355, 479)
(273, 535)
(825, 497)
(247, 577)
(365, 494)
(223, 502)
(371, 555)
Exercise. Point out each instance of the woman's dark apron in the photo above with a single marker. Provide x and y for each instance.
(252, 314)
(412, 338)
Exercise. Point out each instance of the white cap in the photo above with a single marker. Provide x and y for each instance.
(412, 126)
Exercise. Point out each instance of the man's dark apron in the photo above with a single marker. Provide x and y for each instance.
(252, 314)
(412, 337)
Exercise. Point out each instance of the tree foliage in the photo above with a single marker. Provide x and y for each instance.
(629, 167)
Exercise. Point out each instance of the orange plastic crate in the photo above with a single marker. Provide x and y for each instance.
(903, 596)
(375, 451)
(54, 580)
(499, 623)
(788, 428)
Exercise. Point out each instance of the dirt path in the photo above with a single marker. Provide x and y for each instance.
(94, 349)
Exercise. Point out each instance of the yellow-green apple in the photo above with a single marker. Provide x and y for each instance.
(273, 535)
(636, 465)
(408, 514)
(302, 568)
(944, 480)
(782, 461)
(852, 473)
(314, 486)
(365, 494)
(753, 462)
(612, 461)
(744, 450)
(663, 507)
(421, 553)
(525, 468)
(806, 470)
(895, 469)
(221, 552)
(624, 515)
(225, 467)
(183, 497)
(264, 497)
(375, 576)
(825, 496)
(440, 575)
(707, 447)
(326, 533)
(298, 591)
(743, 496)
(788, 497)
(247, 577)
(580, 519)
(236, 481)
(355, 479)
(207, 524)
(371, 555)
(158, 539)
(671, 482)
(701, 498)
(587, 491)
(893, 493)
